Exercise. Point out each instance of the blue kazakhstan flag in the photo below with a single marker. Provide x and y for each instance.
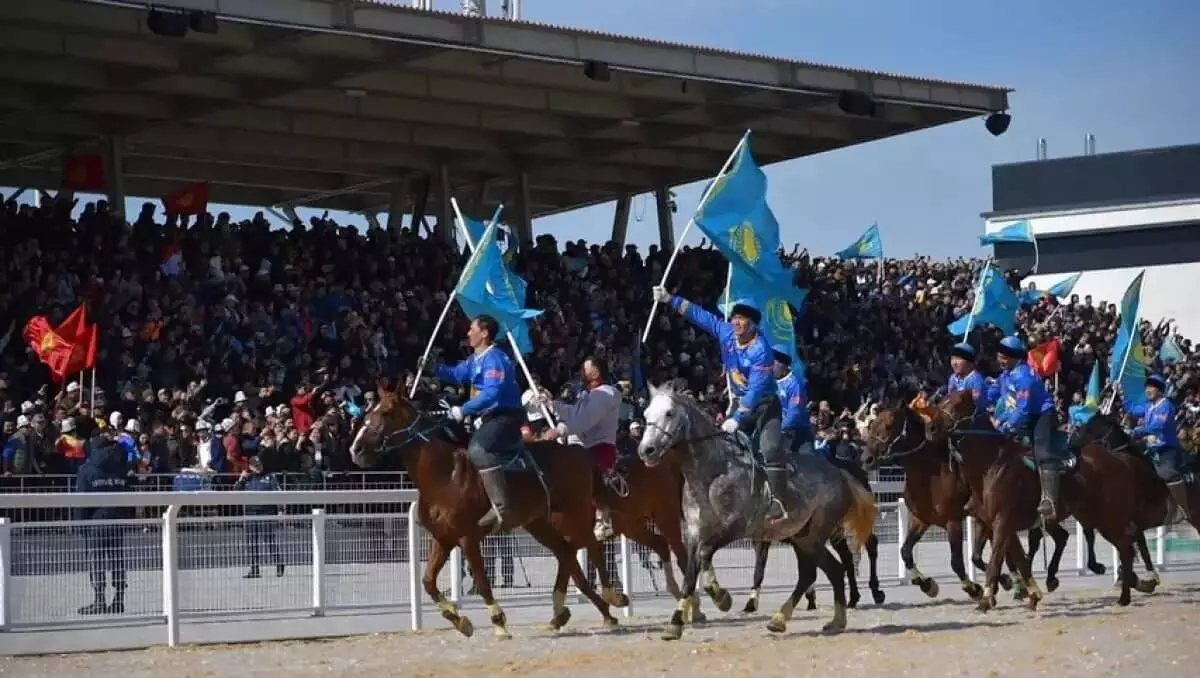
(868, 246)
(1063, 288)
(1019, 231)
(1082, 414)
(1170, 353)
(475, 231)
(487, 287)
(1129, 364)
(995, 304)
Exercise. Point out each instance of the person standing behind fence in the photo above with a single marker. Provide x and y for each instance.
(105, 470)
(253, 479)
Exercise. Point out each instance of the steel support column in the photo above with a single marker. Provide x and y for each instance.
(114, 155)
(398, 201)
(620, 227)
(445, 224)
(521, 220)
(666, 219)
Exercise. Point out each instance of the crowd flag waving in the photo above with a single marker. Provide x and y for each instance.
(1082, 414)
(67, 349)
(995, 304)
(1129, 363)
(1019, 231)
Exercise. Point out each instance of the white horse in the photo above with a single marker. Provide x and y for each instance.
(725, 499)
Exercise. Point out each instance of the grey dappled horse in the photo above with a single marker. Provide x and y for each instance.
(725, 499)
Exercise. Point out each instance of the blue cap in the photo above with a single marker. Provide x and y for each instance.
(1157, 380)
(781, 357)
(964, 351)
(1012, 346)
(746, 308)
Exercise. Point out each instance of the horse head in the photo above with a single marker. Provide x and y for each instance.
(668, 420)
(392, 414)
(895, 433)
(1104, 429)
(945, 418)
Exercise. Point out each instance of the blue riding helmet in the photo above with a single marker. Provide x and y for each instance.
(781, 357)
(1158, 381)
(747, 309)
(964, 351)
(1013, 347)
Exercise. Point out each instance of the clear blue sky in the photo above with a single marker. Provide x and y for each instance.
(1123, 71)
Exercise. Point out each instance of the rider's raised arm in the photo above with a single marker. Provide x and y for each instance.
(762, 373)
(709, 322)
(490, 383)
(458, 373)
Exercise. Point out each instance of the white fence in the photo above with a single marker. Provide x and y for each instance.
(181, 568)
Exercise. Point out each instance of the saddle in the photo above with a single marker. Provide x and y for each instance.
(1061, 446)
(520, 459)
(748, 450)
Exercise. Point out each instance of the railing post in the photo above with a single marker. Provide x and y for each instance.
(318, 562)
(581, 556)
(456, 573)
(414, 574)
(1116, 564)
(1080, 548)
(902, 535)
(970, 547)
(627, 573)
(5, 570)
(170, 572)
(1160, 547)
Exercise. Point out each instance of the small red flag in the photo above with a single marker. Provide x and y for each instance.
(83, 173)
(50, 348)
(188, 200)
(76, 331)
(1044, 359)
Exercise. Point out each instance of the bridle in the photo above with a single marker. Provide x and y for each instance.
(423, 424)
(684, 425)
(890, 452)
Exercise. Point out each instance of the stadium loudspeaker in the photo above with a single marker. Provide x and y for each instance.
(997, 123)
(856, 103)
(597, 70)
(203, 22)
(167, 24)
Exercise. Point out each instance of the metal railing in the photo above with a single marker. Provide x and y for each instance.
(180, 568)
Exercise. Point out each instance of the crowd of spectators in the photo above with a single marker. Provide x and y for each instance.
(221, 341)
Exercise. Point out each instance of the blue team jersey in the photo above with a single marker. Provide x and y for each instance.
(973, 382)
(1158, 423)
(493, 381)
(751, 366)
(794, 398)
(1023, 397)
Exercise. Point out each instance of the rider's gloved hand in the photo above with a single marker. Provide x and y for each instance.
(730, 425)
(456, 414)
(661, 295)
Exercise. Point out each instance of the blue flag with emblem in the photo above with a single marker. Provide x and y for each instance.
(1129, 364)
(868, 246)
(736, 218)
(1083, 413)
(487, 287)
(1170, 353)
(995, 304)
(1019, 231)
(1063, 288)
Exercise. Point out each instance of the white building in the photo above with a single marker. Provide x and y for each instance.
(1109, 216)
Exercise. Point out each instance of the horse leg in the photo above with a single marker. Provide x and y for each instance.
(761, 550)
(639, 532)
(609, 594)
(983, 535)
(473, 552)
(872, 546)
(691, 573)
(954, 534)
(1000, 533)
(1060, 537)
(1093, 565)
(719, 594)
(439, 553)
(1125, 553)
(1151, 583)
(544, 532)
(835, 572)
(851, 578)
(672, 530)
(1016, 556)
(806, 574)
(916, 530)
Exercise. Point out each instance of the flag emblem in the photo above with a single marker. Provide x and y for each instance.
(743, 240)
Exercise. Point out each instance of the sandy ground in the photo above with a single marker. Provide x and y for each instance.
(1074, 633)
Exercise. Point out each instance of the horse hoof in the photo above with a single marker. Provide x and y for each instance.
(777, 624)
(1051, 584)
(930, 588)
(1123, 600)
(609, 622)
(559, 619)
(464, 626)
(878, 596)
(1006, 582)
(501, 633)
(987, 602)
(751, 606)
(698, 617)
(853, 601)
(974, 591)
(833, 628)
(1096, 568)
(672, 632)
(1034, 599)
(1146, 586)
(616, 599)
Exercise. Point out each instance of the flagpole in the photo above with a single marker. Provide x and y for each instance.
(1051, 317)
(691, 222)
(446, 310)
(728, 375)
(1036, 256)
(512, 341)
(92, 409)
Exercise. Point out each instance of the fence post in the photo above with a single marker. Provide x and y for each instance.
(456, 562)
(170, 572)
(5, 570)
(414, 574)
(970, 547)
(581, 556)
(902, 534)
(318, 562)
(1116, 564)
(1080, 548)
(627, 574)
(1160, 547)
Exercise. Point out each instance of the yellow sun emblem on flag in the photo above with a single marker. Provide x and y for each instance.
(744, 241)
(187, 199)
(779, 317)
(48, 342)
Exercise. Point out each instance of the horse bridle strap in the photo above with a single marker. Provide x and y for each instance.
(899, 437)
(412, 432)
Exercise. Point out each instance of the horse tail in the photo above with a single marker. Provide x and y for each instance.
(859, 522)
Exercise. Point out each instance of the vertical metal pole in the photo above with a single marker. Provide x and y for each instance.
(627, 573)
(414, 575)
(970, 548)
(318, 562)
(170, 572)
(902, 534)
(5, 571)
(1080, 548)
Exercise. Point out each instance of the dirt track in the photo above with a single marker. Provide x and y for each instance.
(1077, 633)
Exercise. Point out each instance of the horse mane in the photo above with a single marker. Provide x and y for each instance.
(696, 413)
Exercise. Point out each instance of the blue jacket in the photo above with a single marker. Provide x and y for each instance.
(751, 367)
(262, 482)
(974, 383)
(793, 395)
(105, 470)
(129, 444)
(1158, 425)
(1024, 397)
(493, 381)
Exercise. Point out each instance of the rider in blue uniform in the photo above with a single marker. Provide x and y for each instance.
(793, 397)
(964, 377)
(1028, 412)
(1159, 431)
(496, 401)
(749, 361)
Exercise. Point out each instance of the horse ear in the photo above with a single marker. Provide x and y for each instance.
(652, 388)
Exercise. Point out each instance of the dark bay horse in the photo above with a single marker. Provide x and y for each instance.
(1099, 491)
(452, 500)
(933, 491)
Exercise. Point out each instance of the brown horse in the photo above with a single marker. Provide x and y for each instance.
(452, 500)
(933, 491)
(1099, 491)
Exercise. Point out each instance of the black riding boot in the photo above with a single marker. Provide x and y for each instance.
(98, 605)
(118, 602)
(777, 484)
(1048, 507)
(1179, 493)
(495, 483)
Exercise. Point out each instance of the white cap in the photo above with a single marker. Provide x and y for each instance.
(68, 424)
(269, 412)
(132, 426)
(203, 425)
(115, 419)
(239, 397)
(27, 407)
(22, 421)
(72, 387)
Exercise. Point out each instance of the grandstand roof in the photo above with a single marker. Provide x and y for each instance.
(332, 103)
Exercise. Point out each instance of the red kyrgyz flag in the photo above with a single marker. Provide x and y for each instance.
(1044, 359)
(83, 173)
(82, 337)
(188, 200)
(54, 351)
